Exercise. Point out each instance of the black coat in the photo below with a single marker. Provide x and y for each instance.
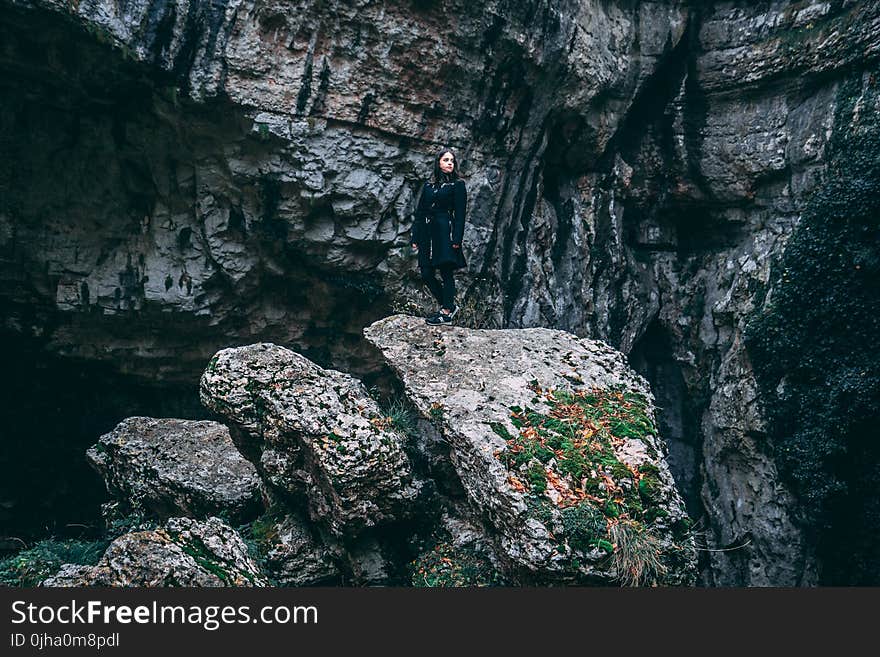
(438, 223)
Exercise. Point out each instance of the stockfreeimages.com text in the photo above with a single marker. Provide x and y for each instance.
(211, 617)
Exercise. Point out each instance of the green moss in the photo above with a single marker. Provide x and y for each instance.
(649, 488)
(206, 560)
(813, 348)
(618, 470)
(572, 443)
(585, 526)
(501, 430)
(577, 433)
(524, 450)
(537, 477)
(611, 509)
(681, 528)
(573, 464)
(540, 508)
(655, 513)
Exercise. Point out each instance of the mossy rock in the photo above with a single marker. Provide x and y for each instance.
(813, 348)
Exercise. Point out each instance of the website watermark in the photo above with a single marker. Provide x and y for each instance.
(93, 612)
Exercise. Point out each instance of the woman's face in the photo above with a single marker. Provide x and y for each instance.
(447, 162)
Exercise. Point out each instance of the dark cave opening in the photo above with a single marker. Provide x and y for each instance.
(676, 414)
(53, 410)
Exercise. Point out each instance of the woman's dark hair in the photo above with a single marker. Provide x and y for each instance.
(439, 176)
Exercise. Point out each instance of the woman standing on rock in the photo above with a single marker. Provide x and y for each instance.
(437, 232)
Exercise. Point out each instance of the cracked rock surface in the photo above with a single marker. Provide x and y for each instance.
(169, 467)
(183, 552)
(312, 433)
(186, 175)
(466, 380)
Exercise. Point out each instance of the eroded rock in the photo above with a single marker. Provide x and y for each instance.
(169, 467)
(291, 553)
(183, 552)
(312, 432)
(482, 387)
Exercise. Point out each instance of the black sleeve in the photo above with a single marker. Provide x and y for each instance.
(418, 223)
(460, 205)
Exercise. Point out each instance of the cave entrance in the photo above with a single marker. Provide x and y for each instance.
(54, 409)
(677, 416)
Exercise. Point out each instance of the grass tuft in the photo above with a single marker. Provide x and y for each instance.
(637, 555)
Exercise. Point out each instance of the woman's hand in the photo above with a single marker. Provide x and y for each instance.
(456, 246)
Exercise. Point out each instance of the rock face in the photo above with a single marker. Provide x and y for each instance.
(184, 552)
(475, 385)
(259, 181)
(312, 433)
(292, 556)
(736, 184)
(634, 171)
(170, 467)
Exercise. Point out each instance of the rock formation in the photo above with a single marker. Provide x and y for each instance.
(183, 552)
(264, 160)
(168, 467)
(292, 555)
(560, 476)
(480, 386)
(312, 433)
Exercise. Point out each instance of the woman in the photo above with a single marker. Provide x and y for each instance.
(438, 229)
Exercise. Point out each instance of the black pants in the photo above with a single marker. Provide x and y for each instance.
(444, 292)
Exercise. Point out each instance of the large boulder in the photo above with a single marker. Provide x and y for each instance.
(184, 552)
(312, 433)
(553, 437)
(169, 467)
